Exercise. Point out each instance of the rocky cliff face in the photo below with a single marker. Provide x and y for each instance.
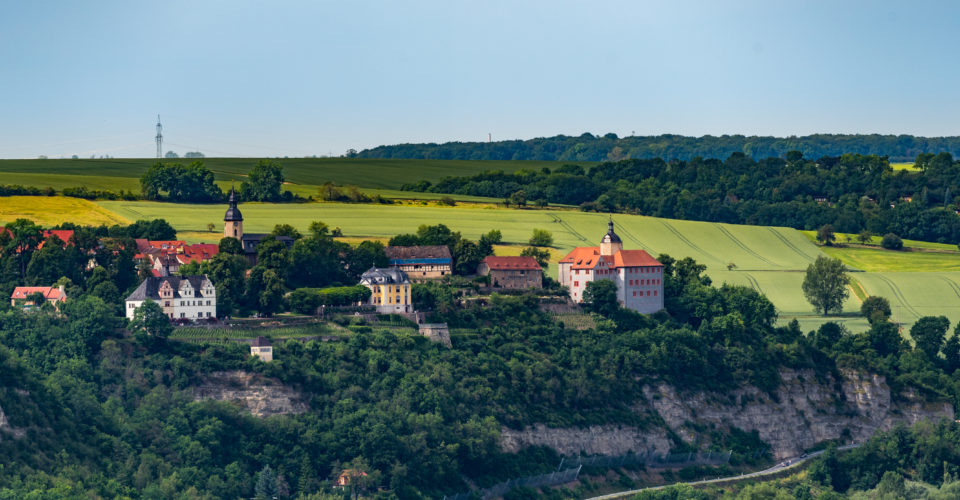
(802, 413)
(7, 430)
(261, 396)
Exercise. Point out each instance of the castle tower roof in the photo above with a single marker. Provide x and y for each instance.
(610, 237)
(233, 213)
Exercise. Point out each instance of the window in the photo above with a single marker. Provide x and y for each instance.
(208, 302)
(576, 283)
(648, 293)
(634, 293)
(576, 271)
(654, 293)
(183, 315)
(208, 314)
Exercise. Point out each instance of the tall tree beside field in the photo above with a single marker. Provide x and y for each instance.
(876, 309)
(929, 333)
(825, 284)
(176, 182)
(263, 182)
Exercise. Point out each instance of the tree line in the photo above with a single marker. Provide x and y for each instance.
(852, 193)
(610, 147)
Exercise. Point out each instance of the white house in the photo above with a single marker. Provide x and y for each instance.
(187, 297)
(638, 276)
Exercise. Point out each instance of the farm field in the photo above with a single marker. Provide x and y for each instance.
(52, 210)
(878, 260)
(875, 240)
(769, 259)
(906, 165)
(364, 173)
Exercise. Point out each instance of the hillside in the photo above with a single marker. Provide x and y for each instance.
(589, 147)
(117, 174)
(771, 260)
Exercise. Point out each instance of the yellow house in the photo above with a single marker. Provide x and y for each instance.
(389, 290)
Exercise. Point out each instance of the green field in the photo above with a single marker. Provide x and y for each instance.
(879, 260)
(116, 174)
(875, 241)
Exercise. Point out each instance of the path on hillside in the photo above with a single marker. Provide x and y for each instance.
(787, 464)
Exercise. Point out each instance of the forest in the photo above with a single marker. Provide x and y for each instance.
(851, 192)
(610, 147)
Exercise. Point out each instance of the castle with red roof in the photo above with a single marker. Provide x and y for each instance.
(638, 276)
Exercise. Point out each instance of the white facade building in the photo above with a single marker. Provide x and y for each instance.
(638, 276)
(188, 297)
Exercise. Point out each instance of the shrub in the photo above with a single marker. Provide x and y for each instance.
(891, 241)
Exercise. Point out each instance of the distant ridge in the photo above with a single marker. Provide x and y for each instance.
(589, 147)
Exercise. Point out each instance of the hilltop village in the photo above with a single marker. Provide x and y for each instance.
(180, 280)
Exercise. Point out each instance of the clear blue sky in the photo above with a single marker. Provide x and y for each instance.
(236, 78)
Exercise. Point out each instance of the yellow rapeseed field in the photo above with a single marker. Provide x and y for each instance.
(52, 210)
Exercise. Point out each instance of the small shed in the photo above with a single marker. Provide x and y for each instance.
(262, 348)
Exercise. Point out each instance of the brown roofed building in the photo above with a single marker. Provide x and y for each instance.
(512, 272)
(53, 294)
(421, 262)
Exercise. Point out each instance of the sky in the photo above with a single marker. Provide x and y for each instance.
(300, 78)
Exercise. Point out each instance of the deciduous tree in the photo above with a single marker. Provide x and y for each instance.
(825, 284)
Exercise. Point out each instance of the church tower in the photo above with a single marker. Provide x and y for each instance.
(233, 219)
(610, 244)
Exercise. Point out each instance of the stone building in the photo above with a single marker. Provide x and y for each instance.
(186, 297)
(638, 276)
(512, 272)
(262, 348)
(421, 262)
(389, 290)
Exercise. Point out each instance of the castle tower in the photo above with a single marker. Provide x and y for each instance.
(233, 219)
(610, 244)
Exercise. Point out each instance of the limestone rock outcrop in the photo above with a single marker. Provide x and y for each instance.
(802, 412)
(261, 396)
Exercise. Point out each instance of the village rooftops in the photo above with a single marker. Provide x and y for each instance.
(588, 258)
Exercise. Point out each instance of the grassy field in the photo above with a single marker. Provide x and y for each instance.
(907, 165)
(879, 260)
(875, 241)
(365, 173)
(768, 259)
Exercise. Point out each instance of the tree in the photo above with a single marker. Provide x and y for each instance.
(929, 333)
(266, 487)
(466, 257)
(226, 271)
(149, 321)
(825, 235)
(825, 284)
(951, 352)
(230, 245)
(876, 309)
(828, 335)
(541, 238)
(600, 296)
(864, 237)
(885, 338)
(541, 254)
(891, 241)
(265, 290)
(25, 236)
(171, 154)
(263, 183)
(286, 230)
(518, 198)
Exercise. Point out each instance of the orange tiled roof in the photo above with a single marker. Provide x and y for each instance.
(49, 292)
(511, 263)
(589, 257)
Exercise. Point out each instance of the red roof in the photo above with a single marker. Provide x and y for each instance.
(167, 244)
(49, 292)
(634, 258)
(511, 263)
(589, 257)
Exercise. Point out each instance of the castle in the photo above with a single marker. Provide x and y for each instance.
(638, 276)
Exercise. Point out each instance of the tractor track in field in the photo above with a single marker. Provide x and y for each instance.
(684, 239)
(745, 248)
(899, 295)
(636, 240)
(753, 282)
(566, 225)
(953, 285)
(790, 245)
